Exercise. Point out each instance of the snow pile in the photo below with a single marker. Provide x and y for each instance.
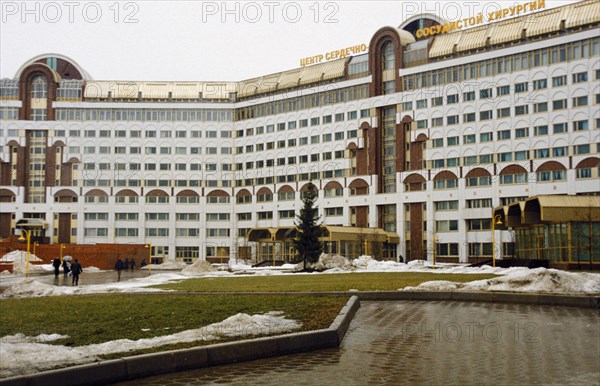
(19, 260)
(167, 266)
(198, 267)
(540, 280)
(20, 355)
(327, 261)
(18, 255)
(239, 265)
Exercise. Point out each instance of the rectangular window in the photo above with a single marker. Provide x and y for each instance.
(581, 149)
(469, 96)
(521, 155)
(505, 157)
(521, 87)
(486, 93)
(469, 117)
(540, 107)
(437, 142)
(334, 211)
(485, 137)
(437, 122)
(560, 104)
(522, 132)
(446, 226)
(542, 153)
(581, 125)
(540, 130)
(503, 135)
(540, 84)
(503, 90)
(452, 119)
(485, 115)
(441, 206)
(469, 138)
(559, 81)
(580, 77)
(504, 112)
(265, 215)
(580, 101)
(452, 99)
(559, 128)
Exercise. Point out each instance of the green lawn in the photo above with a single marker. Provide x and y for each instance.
(317, 283)
(102, 318)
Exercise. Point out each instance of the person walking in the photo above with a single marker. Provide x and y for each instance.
(56, 265)
(132, 264)
(126, 264)
(66, 268)
(76, 270)
(119, 268)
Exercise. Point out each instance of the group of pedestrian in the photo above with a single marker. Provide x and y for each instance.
(74, 270)
(121, 265)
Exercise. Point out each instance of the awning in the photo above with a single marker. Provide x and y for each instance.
(328, 233)
(32, 223)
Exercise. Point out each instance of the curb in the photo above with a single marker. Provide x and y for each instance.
(542, 299)
(489, 297)
(141, 366)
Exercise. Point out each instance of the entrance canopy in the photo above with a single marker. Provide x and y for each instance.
(328, 233)
(549, 209)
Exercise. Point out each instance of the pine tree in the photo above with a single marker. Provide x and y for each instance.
(307, 242)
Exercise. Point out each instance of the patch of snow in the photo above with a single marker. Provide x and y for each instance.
(21, 355)
(540, 280)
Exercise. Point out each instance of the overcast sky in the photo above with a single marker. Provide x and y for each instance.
(202, 40)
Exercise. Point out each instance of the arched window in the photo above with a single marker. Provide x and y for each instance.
(39, 88)
(388, 56)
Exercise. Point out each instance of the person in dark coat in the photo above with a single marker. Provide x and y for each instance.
(66, 268)
(56, 265)
(132, 264)
(76, 269)
(119, 267)
(126, 264)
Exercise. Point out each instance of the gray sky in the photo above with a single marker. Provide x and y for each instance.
(203, 40)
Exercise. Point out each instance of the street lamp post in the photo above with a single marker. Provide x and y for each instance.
(149, 246)
(496, 220)
(28, 238)
(434, 241)
(35, 245)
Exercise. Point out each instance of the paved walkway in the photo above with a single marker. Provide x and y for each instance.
(434, 343)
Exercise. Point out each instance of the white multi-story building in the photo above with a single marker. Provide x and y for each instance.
(418, 137)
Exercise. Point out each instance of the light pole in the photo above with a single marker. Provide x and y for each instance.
(61, 247)
(496, 220)
(433, 244)
(35, 245)
(149, 246)
(28, 238)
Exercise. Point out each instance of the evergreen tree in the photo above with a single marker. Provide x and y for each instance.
(307, 242)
